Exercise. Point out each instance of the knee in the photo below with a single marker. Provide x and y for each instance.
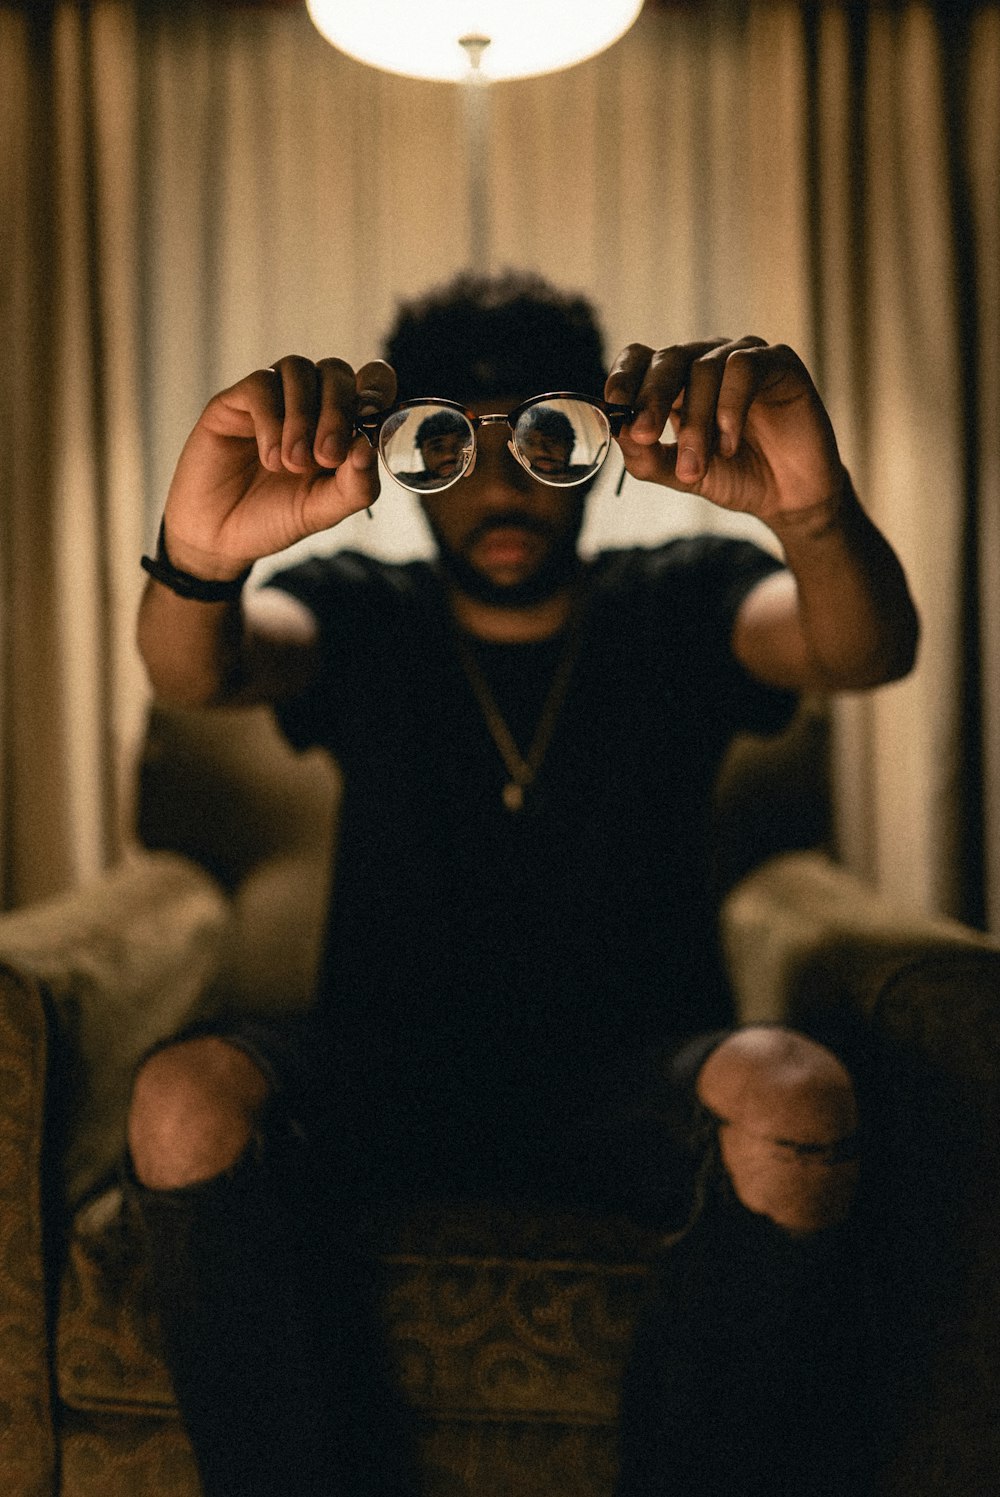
(194, 1106)
(788, 1119)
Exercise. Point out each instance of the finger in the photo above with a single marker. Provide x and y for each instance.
(627, 373)
(376, 390)
(354, 486)
(663, 378)
(649, 462)
(750, 369)
(300, 390)
(251, 409)
(698, 429)
(337, 402)
(376, 384)
(346, 396)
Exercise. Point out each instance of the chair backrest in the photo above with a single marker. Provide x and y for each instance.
(225, 789)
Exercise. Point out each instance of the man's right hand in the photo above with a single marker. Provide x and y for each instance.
(274, 459)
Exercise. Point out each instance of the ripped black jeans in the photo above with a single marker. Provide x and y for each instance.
(267, 1287)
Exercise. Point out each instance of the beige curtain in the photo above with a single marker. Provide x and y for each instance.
(71, 498)
(192, 194)
(905, 153)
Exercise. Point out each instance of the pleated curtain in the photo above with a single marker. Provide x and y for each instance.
(188, 192)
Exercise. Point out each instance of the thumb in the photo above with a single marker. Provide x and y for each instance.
(651, 463)
(353, 487)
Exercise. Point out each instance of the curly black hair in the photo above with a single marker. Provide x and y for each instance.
(479, 337)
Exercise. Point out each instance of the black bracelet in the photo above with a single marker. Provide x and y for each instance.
(185, 584)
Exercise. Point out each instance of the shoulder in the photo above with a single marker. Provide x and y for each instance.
(352, 581)
(707, 568)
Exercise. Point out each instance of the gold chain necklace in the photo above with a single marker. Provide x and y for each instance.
(523, 769)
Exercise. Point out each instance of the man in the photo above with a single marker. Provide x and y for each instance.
(522, 929)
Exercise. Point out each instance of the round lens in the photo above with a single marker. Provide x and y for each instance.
(426, 447)
(562, 441)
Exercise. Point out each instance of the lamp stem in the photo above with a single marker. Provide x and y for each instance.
(476, 100)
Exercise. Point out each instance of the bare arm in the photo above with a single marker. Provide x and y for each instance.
(752, 436)
(271, 460)
(257, 649)
(841, 618)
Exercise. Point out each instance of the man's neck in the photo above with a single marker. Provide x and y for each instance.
(511, 626)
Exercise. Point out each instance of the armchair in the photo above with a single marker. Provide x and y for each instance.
(509, 1330)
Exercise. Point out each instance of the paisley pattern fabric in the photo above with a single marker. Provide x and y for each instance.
(508, 1333)
(27, 1434)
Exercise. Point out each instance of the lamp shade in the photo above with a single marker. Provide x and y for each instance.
(446, 39)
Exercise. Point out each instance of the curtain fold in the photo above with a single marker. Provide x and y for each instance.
(189, 194)
(71, 497)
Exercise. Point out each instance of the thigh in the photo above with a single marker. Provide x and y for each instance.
(622, 1134)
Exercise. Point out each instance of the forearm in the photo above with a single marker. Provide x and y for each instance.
(858, 624)
(193, 652)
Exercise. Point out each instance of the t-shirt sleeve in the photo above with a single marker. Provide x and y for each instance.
(346, 593)
(701, 582)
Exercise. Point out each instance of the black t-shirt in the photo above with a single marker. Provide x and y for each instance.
(585, 921)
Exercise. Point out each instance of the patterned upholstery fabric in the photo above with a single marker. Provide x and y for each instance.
(27, 1434)
(508, 1331)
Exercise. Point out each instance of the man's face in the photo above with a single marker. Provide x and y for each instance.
(505, 538)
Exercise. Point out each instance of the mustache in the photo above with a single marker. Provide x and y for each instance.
(510, 519)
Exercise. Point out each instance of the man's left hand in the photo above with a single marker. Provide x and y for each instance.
(751, 433)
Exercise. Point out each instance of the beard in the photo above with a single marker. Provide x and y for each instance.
(555, 571)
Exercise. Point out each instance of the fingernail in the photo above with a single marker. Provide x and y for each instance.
(687, 464)
(300, 452)
(331, 449)
(274, 457)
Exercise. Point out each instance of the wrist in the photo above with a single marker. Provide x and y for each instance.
(820, 519)
(197, 586)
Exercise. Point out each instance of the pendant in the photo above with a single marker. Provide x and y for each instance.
(513, 796)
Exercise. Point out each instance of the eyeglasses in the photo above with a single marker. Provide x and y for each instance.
(561, 439)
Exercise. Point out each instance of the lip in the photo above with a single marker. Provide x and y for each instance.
(507, 546)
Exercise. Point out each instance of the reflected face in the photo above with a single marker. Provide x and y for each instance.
(505, 538)
(444, 454)
(546, 454)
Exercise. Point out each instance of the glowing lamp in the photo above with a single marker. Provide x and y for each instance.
(448, 39)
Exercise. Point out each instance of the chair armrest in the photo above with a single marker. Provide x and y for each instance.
(801, 931)
(116, 964)
(808, 942)
(86, 982)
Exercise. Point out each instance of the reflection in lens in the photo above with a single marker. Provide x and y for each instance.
(426, 446)
(562, 441)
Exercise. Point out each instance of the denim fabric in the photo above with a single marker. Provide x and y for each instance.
(753, 1371)
(267, 1299)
